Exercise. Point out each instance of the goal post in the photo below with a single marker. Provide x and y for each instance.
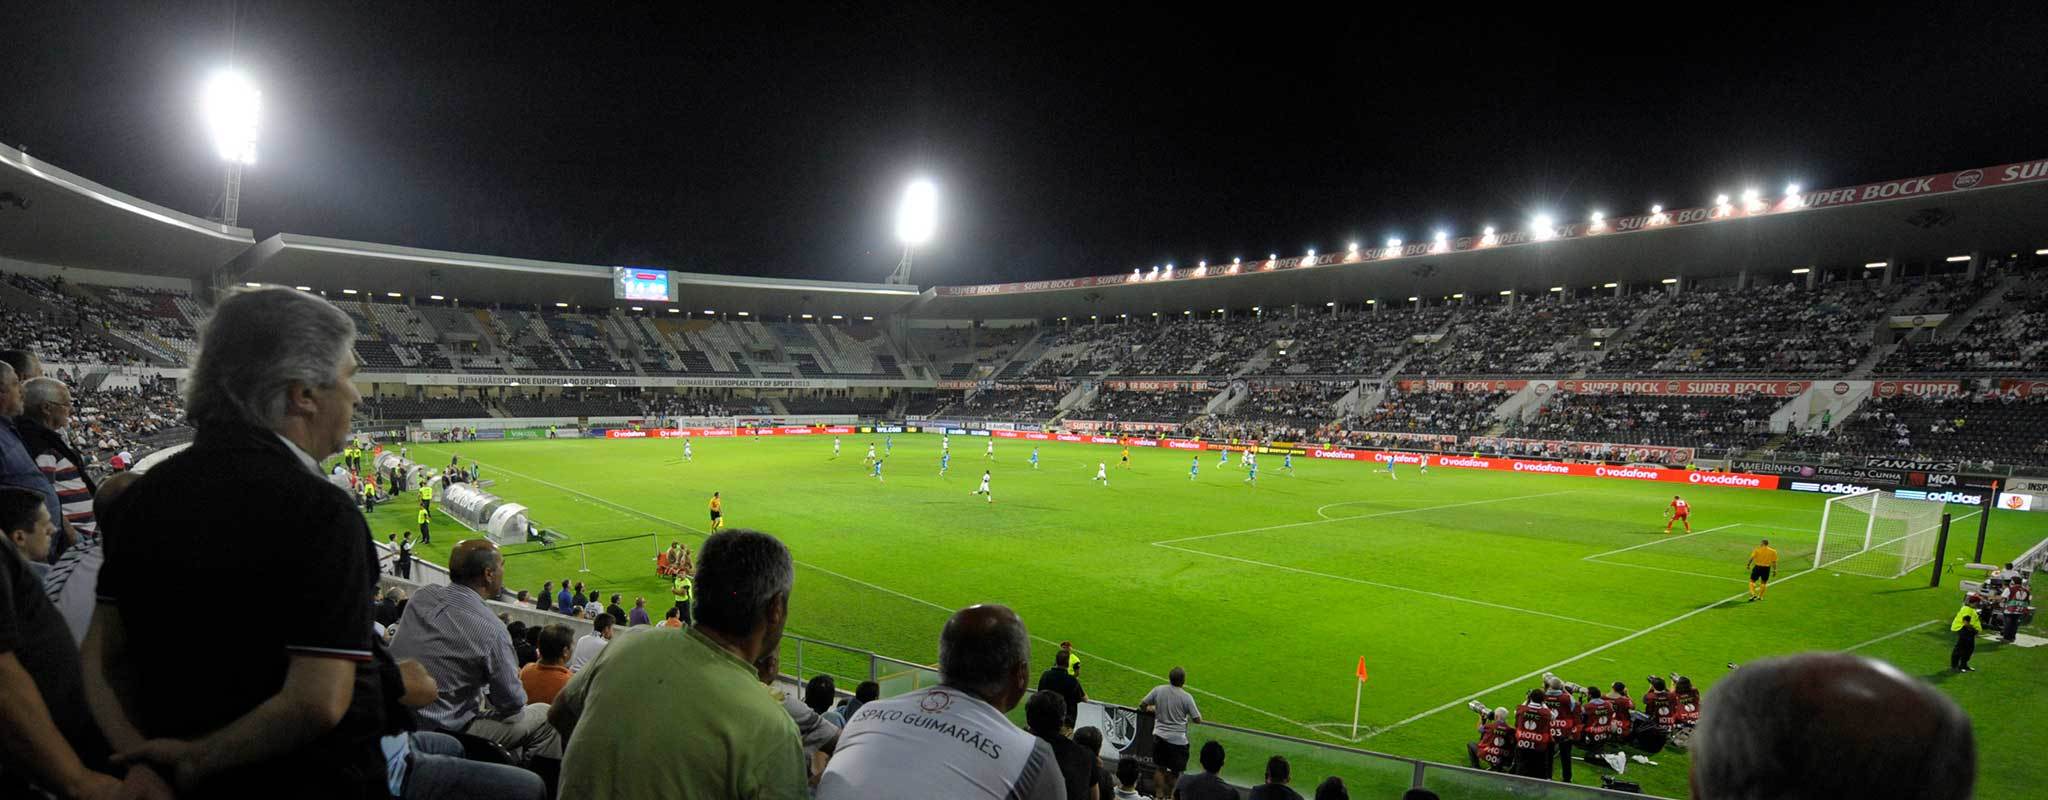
(1877, 534)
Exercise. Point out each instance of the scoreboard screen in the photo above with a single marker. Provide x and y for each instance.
(639, 283)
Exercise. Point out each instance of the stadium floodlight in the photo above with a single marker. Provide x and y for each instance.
(1668, 281)
(867, 319)
(2041, 252)
(709, 311)
(435, 297)
(839, 316)
(1610, 285)
(1877, 265)
(1721, 200)
(1656, 209)
(561, 305)
(1394, 244)
(1272, 256)
(394, 294)
(309, 288)
(743, 313)
(348, 291)
(1954, 259)
(1458, 296)
(252, 284)
(1202, 265)
(1237, 261)
(1414, 299)
(1791, 190)
(1557, 288)
(1354, 247)
(637, 308)
(806, 316)
(1544, 227)
(232, 105)
(917, 218)
(1801, 271)
(1597, 222)
(1329, 305)
(1506, 292)
(675, 311)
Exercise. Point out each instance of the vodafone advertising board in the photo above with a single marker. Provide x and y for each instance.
(686, 433)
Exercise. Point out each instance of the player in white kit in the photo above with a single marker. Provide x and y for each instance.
(983, 491)
(1102, 472)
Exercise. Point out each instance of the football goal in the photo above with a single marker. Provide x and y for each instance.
(1876, 534)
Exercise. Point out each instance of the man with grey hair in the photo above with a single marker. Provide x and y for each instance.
(952, 740)
(681, 712)
(1831, 725)
(17, 466)
(46, 413)
(295, 697)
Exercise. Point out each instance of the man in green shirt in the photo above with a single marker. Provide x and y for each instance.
(668, 713)
(684, 590)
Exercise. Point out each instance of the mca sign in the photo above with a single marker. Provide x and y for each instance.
(2015, 501)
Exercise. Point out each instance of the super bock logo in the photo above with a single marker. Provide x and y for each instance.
(1967, 179)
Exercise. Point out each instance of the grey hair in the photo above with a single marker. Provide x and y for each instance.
(258, 343)
(740, 572)
(1830, 725)
(982, 663)
(39, 392)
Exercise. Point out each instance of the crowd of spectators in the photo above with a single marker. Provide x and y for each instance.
(1706, 423)
(1147, 406)
(1525, 338)
(1360, 343)
(1455, 413)
(1780, 329)
(2004, 337)
(1988, 429)
(1006, 404)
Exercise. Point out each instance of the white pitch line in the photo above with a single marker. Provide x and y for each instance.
(1393, 587)
(1662, 569)
(1662, 541)
(886, 590)
(1892, 635)
(1328, 520)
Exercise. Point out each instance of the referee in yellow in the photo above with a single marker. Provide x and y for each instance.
(1763, 565)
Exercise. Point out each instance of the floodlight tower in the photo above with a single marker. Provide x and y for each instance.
(917, 217)
(230, 104)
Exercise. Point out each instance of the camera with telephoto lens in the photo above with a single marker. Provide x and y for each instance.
(1480, 709)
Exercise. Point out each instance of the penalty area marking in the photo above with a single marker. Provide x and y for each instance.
(886, 590)
(1659, 541)
(1893, 635)
(1328, 519)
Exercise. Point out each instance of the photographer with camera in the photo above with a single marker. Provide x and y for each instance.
(1533, 737)
(1659, 717)
(1560, 698)
(1597, 726)
(1624, 711)
(1494, 750)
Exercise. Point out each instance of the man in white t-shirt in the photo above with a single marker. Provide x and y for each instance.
(951, 740)
(1172, 708)
(592, 643)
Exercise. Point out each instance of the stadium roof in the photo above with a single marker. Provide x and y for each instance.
(374, 270)
(1911, 220)
(50, 216)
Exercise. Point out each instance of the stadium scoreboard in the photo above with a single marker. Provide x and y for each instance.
(640, 283)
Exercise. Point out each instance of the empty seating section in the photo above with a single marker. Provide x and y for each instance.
(393, 408)
(1987, 428)
(1707, 423)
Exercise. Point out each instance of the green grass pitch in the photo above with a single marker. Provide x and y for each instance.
(1452, 585)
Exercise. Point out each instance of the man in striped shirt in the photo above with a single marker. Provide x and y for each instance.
(46, 413)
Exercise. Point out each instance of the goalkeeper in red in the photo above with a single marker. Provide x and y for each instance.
(1680, 512)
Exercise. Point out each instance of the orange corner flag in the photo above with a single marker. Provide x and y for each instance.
(1361, 668)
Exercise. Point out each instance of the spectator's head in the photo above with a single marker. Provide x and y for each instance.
(1536, 695)
(985, 650)
(112, 488)
(1059, 659)
(1177, 676)
(615, 599)
(26, 365)
(47, 401)
(515, 629)
(602, 625)
(1830, 725)
(742, 596)
(1127, 772)
(673, 613)
(819, 692)
(280, 360)
(638, 602)
(1620, 688)
(1089, 738)
(477, 564)
(1212, 756)
(867, 691)
(1045, 713)
(1277, 770)
(10, 392)
(556, 644)
(1416, 794)
(1332, 788)
(26, 521)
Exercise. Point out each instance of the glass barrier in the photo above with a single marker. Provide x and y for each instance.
(804, 658)
(902, 677)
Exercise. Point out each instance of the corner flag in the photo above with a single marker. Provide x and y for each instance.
(1361, 668)
(1357, 697)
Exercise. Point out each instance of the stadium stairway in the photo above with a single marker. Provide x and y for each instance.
(1023, 357)
(1635, 323)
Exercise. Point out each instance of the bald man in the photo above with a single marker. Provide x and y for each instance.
(1831, 725)
(450, 631)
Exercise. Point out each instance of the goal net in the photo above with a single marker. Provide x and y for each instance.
(1876, 534)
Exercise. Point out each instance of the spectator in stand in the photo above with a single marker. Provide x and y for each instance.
(618, 614)
(1831, 725)
(27, 366)
(1332, 788)
(564, 602)
(1278, 773)
(593, 642)
(389, 606)
(1045, 715)
(1089, 738)
(450, 631)
(984, 668)
(545, 678)
(546, 600)
(523, 651)
(668, 714)
(818, 734)
(1207, 784)
(1127, 779)
(73, 582)
(46, 412)
(1057, 678)
(295, 697)
(674, 618)
(17, 466)
(1172, 708)
(638, 616)
(52, 742)
(819, 692)
(863, 694)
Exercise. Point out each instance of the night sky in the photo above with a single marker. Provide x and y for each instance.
(1076, 141)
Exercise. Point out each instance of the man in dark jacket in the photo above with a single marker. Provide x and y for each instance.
(293, 702)
(1058, 679)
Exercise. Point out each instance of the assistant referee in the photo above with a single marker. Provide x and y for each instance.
(1763, 565)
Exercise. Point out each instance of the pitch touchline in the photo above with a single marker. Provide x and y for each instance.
(1662, 541)
(1393, 587)
(850, 579)
(1893, 635)
(1328, 520)
(1662, 569)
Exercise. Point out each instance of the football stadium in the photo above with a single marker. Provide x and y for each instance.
(1394, 517)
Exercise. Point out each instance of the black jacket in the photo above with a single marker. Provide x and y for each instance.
(239, 509)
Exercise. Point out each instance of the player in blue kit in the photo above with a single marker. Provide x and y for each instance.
(1194, 467)
(945, 460)
(1034, 458)
(1223, 458)
(1252, 475)
(878, 469)
(1390, 469)
(888, 444)
(1287, 463)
